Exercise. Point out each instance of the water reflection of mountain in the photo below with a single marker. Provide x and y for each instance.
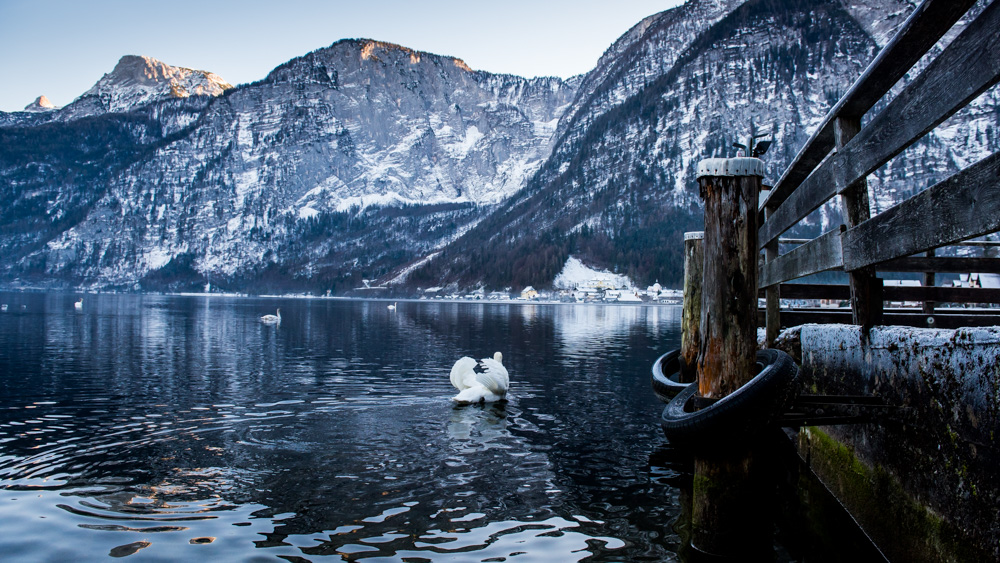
(331, 433)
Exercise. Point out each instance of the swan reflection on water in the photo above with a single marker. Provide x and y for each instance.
(485, 423)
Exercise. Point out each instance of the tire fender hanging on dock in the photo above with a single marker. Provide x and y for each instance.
(666, 376)
(738, 416)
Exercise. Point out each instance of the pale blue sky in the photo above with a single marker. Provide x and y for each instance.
(60, 48)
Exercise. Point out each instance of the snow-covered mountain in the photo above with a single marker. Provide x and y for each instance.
(340, 164)
(134, 82)
(369, 160)
(619, 189)
(41, 103)
(137, 80)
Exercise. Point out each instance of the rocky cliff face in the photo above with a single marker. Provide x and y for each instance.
(338, 165)
(620, 187)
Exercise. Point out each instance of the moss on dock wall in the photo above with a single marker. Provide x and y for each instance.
(903, 527)
(924, 482)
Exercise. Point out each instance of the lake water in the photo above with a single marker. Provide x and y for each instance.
(181, 428)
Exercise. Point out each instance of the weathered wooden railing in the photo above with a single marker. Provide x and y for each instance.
(840, 155)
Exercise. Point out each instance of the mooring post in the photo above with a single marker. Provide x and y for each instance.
(694, 259)
(727, 501)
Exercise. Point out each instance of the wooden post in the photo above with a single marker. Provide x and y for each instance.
(772, 323)
(694, 258)
(929, 281)
(728, 348)
(726, 494)
(866, 289)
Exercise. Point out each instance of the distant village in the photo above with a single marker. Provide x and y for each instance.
(594, 291)
(613, 291)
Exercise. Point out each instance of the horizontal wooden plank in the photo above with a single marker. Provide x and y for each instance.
(925, 25)
(892, 293)
(812, 291)
(942, 294)
(976, 243)
(819, 255)
(939, 264)
(963, 206)
(949, 319)
(966, 68)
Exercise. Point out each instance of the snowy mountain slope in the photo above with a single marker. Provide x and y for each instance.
(648, 50)
(369, 160)
(338, 165)
(620, 187)
(138, 80)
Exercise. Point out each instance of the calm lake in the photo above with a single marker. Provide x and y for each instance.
(181, 428)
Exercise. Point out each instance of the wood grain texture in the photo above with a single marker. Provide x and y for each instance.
(950, 318)
(963, 206)
(865, 303)
(819, 255)
(966, 68)
(942, 294)
(894, 293)
(772, 296)
(728, 347)
(929, 281)
(694, 261)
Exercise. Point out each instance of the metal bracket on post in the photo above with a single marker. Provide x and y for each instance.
(749, 149)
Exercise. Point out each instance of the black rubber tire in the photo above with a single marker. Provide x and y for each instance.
(737, 417)
(666, 371)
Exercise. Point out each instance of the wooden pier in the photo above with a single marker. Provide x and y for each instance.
(944, 448)
(841, 154)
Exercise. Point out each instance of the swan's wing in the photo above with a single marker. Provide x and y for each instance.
(462, 374)
(492, 375)
(472, 395)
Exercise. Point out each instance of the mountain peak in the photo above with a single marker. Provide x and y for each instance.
(41, 103)
(182, 82)
(371, 49)
(137, 80)
(349, 55)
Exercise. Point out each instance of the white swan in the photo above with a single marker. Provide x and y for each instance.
(271, 319)
(482, 381)
(79, 304)
(392, 307)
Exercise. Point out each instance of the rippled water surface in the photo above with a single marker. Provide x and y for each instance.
(176, 428)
